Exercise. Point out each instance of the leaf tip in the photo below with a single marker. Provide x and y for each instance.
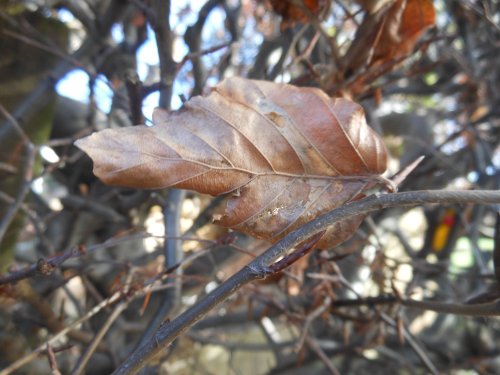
(81, 143)
(86, 143)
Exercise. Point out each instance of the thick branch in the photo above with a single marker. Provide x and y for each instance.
(192, 38)
(260, 267)
(173, 257)
(164, 41)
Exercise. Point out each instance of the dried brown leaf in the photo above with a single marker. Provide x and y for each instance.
(388, 34)
(407, 20)
(293, 12)
(287, 154)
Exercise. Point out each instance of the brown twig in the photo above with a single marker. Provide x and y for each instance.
(309, 319)
(332, 42)
(238, 345)
(83, 360)
(291, 258)
(43, 265)
(198, 54)
(322, 356)
(146, 90)
(52, 360)
(414, 345)
(41, 349)
(192, 37)
(134, 91)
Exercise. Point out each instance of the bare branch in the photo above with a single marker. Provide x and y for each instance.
(27, 173)
(260, 267)
(82, 362)
(173, 257)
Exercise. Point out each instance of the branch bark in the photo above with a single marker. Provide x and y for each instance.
(171, 297)
(192, 37)
(261, 267)
(164, 41)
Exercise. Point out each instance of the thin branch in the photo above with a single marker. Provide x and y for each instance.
(322, 356)
(12, 122)
(52, 361)
(45, 266)
(479, 309)
(366, 301)
(313, 315)
(173, 257)
(168, 332)
(84, 359)
(198, 54)
(47, 48)
(192, 37)
(298, 253)
(48, 265)
(414, 345)
(41, 349)
(158, 86)
(51, 321)
(27, 173)
(332, 41)
(260, 268)
(238, 345)
(101, 210)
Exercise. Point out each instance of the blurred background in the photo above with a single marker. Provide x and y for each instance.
(108, 265)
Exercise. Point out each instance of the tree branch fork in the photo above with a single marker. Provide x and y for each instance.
(278, 257)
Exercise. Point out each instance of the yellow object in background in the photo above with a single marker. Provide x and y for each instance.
(443, 230)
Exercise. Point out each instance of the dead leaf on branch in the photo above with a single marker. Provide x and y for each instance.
(287, 154)
(385, 37)
(293, 11)
(407, 20)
